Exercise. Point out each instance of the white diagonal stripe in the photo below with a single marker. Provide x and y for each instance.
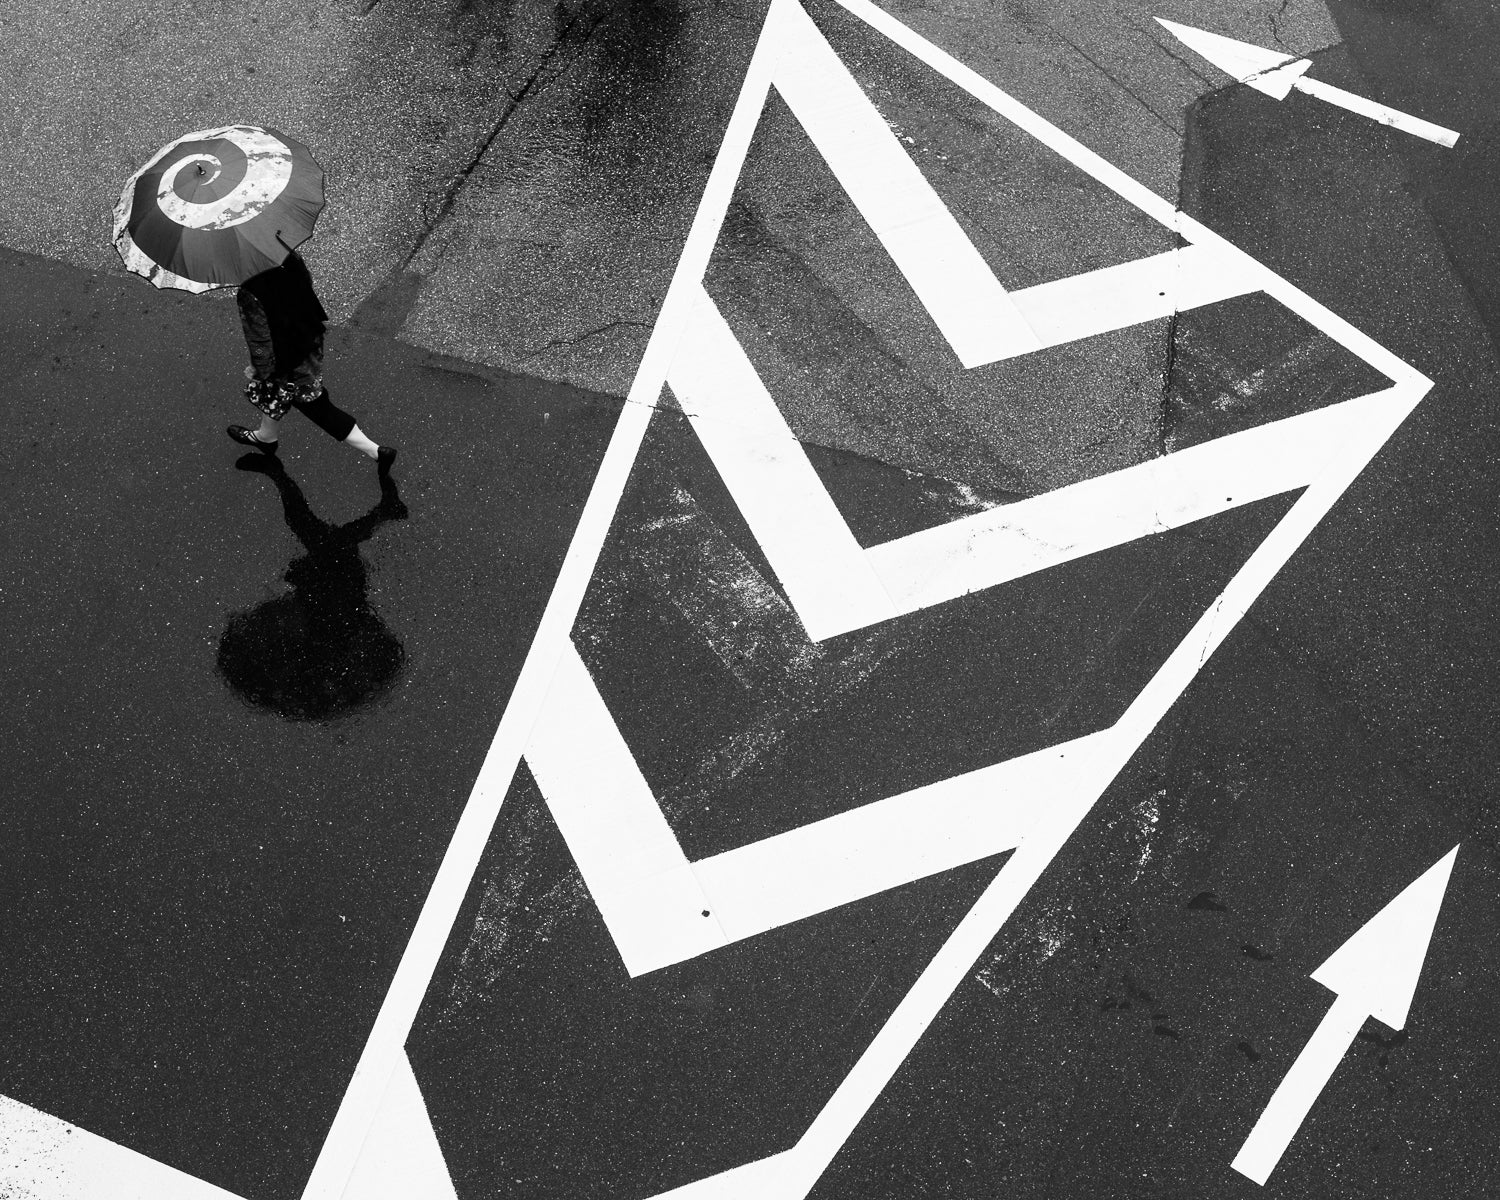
(45, 1158)
(660, 909)
(1081, 306)
(806, 539)
(1376, 111)
(402, 1159)
(419, 961)
(628, 855)
(885, 844)
(956, 286)
(1084, 518)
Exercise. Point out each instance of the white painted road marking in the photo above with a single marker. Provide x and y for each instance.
(1277, 75)
(802, 1166)
(797, 1170)
(833, 584)
(1081, 306)
(887, 843)
(1393, 117)
(825, 573)
(661, 909)
(47, 1158)
(952, 281)
(1044, 531)
(1267, 71)
(402, 1158)
(385, 1046)
(1373, 974)
(793, 1173)
(636, 872)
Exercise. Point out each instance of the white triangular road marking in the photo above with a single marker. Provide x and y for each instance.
(1380, 965)
(45, 1158)
(1264, 70)
(401, 1159)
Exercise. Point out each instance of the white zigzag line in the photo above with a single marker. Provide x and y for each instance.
(788, 36)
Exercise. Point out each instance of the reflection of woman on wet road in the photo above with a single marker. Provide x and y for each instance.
(320, 650)
(283, 323)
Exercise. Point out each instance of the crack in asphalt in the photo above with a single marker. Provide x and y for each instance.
(1164, 420)
(576, 31)
(537, 82)
(1112, 77)
(560, 343)
(1274, 22)
(1186, 64)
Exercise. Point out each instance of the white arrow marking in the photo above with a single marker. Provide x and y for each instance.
(1278, 74)
(1374, 974)
(1378, 112)
(1264, 70)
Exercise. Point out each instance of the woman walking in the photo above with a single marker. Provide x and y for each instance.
(284, 323)
(229, 206)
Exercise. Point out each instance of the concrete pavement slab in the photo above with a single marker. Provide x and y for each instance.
(558, 252)
(528, 171)
(395, 97)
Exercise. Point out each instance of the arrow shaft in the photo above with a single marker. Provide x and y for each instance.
(1377, 112)
(1293, 1099)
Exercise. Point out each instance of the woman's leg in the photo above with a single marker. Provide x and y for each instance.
(332, 420)
(360, 442)
(336, 423)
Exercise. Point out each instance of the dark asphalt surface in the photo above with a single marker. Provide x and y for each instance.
(206, 894)
(205, 898)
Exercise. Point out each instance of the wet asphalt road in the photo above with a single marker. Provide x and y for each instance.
(236, 747)
(210, 864)
(511, 180)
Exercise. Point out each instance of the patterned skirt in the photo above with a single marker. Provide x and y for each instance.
(273, 397)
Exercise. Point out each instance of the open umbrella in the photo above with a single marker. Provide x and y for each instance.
(218, 206)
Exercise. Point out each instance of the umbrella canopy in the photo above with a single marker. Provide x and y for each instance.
(218, 206)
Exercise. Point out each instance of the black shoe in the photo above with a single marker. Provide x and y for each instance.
(384, 457)
(246, 437)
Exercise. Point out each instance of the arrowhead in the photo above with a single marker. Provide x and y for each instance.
(1380, 964)
(1264, 70)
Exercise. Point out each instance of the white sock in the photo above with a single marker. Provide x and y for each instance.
(360, 442)
(268, 431)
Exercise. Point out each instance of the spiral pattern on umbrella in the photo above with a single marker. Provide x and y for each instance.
(213, 185)
(218, 206)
